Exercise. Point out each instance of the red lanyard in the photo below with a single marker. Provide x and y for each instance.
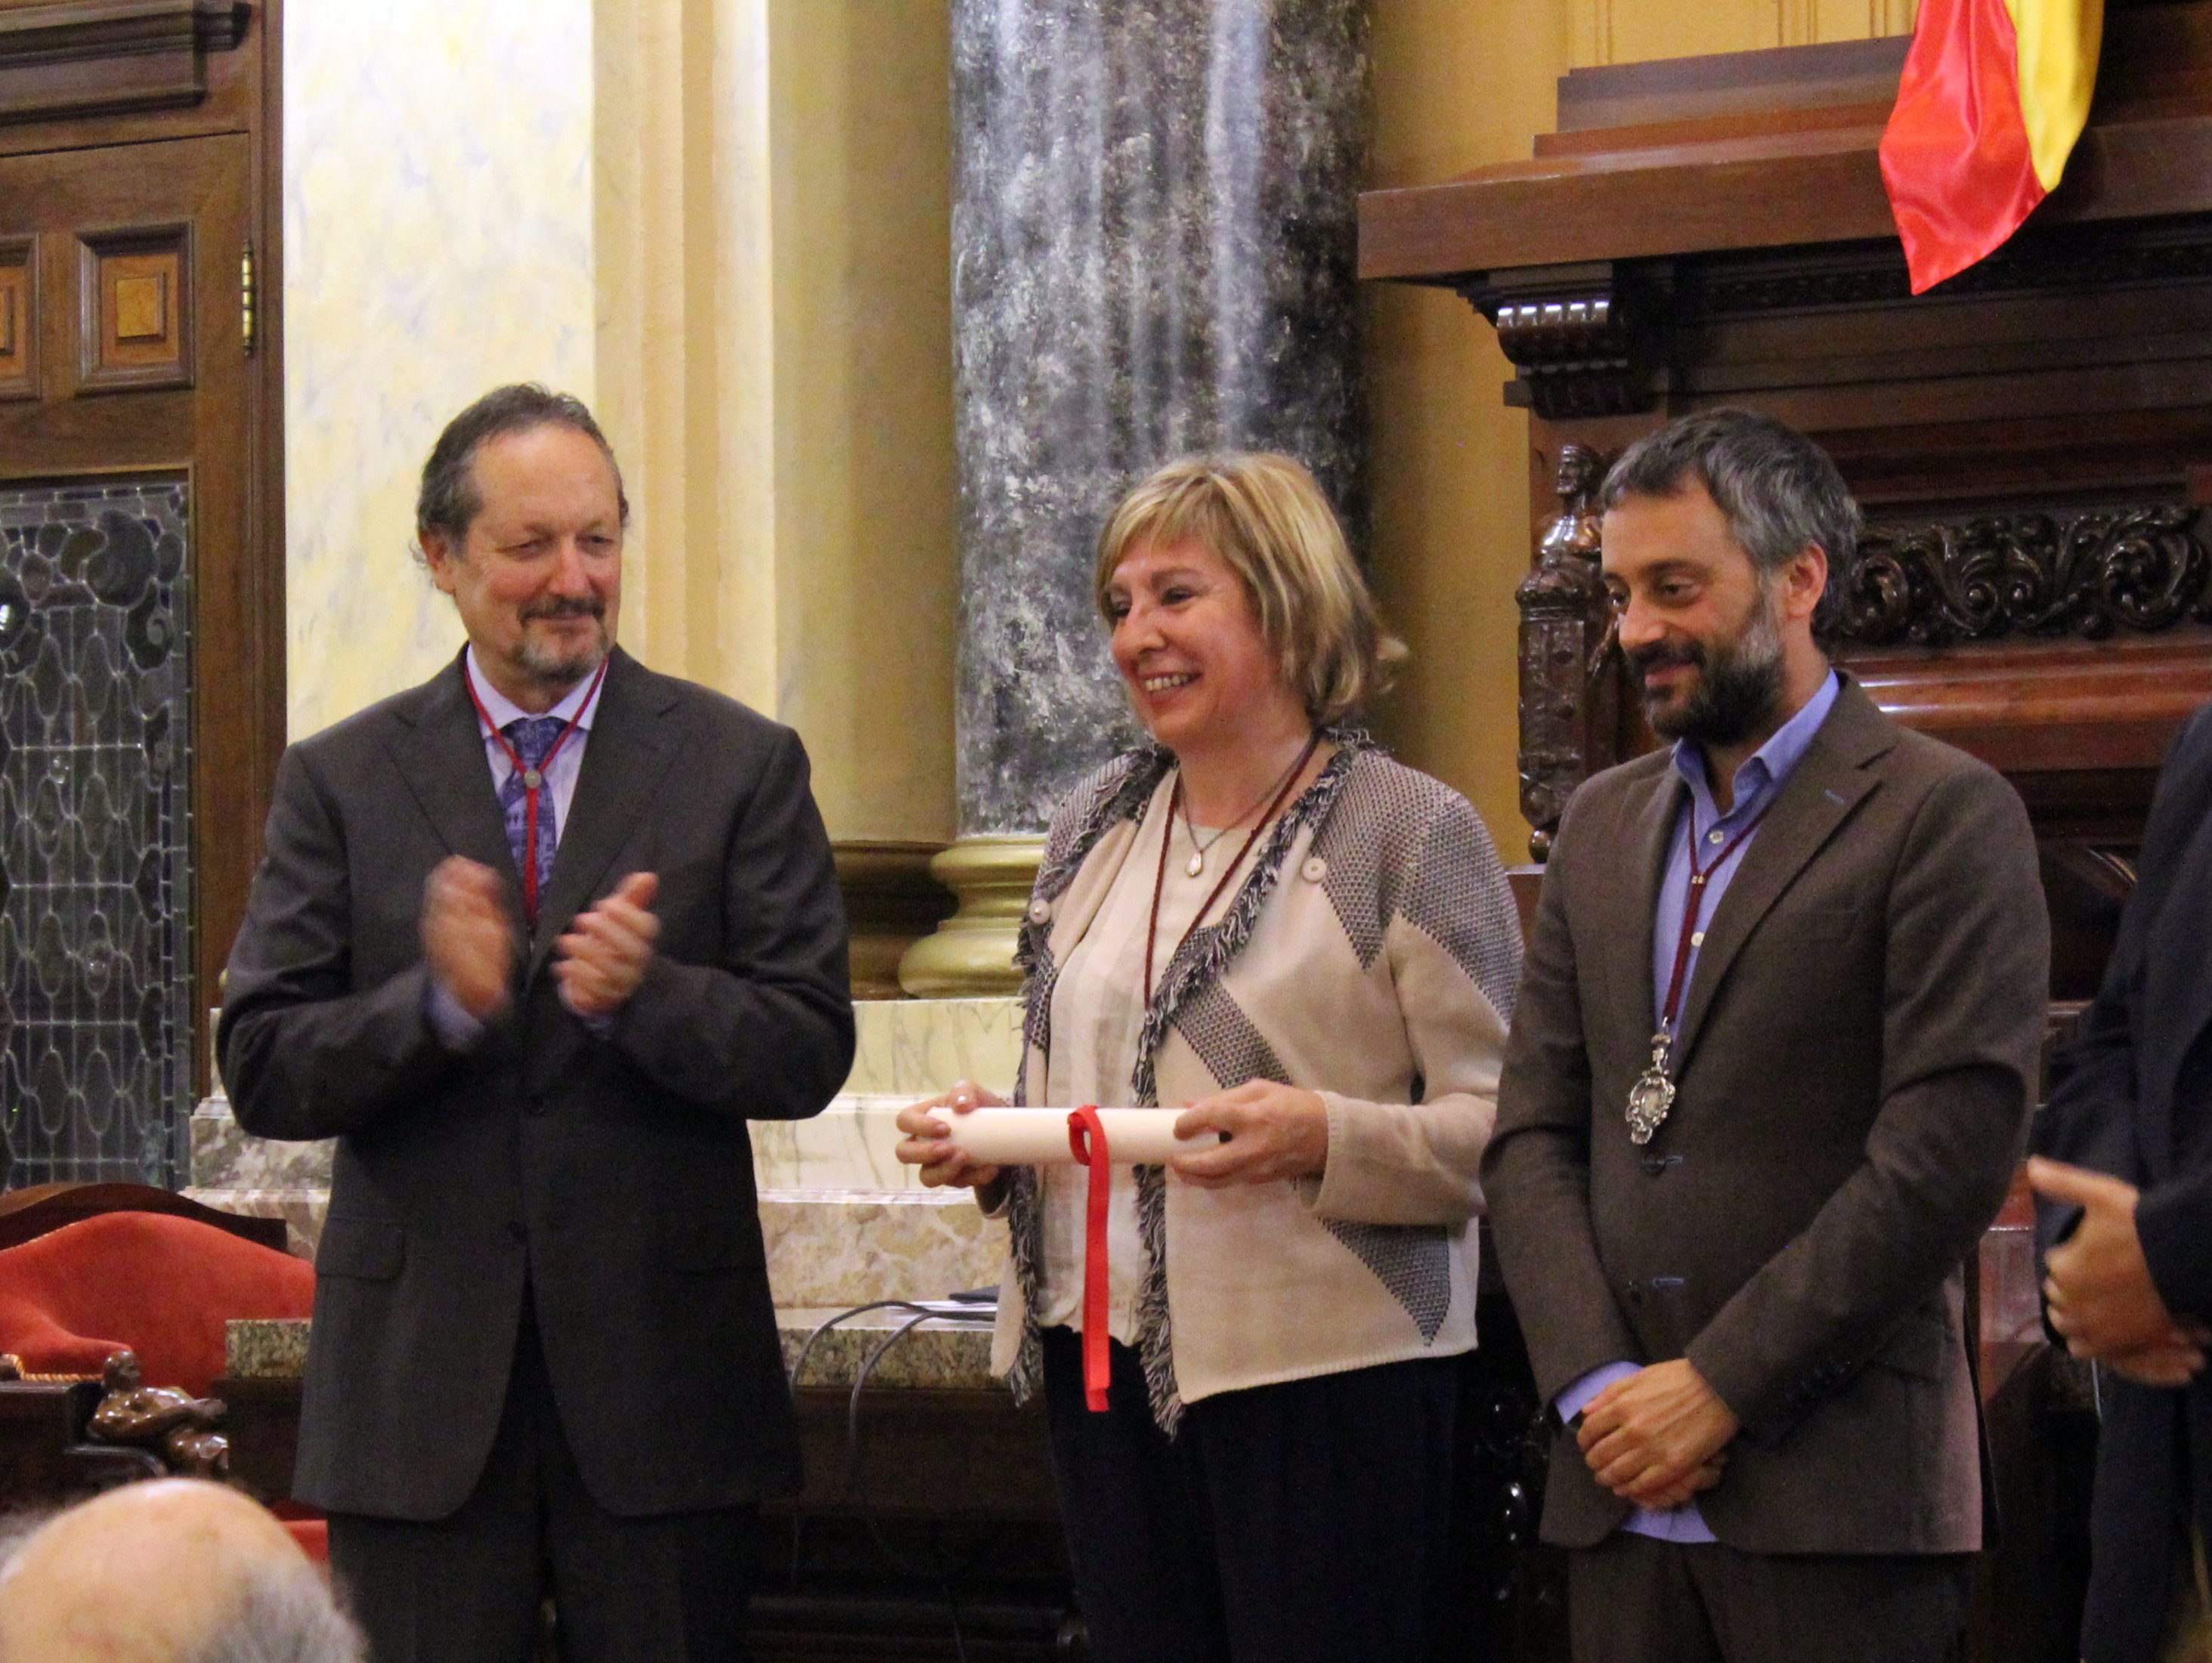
(1167, 835)
(1694, 905)
(533, 782)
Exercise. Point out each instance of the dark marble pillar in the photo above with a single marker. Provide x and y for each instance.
(1153, 242)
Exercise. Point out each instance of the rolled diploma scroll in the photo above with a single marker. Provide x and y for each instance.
(1038, 1136)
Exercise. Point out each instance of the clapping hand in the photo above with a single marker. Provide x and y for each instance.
(469, 936)
(607, 951)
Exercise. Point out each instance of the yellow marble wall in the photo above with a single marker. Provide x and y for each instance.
(1457, 87)
(774, 198)
(437, 241)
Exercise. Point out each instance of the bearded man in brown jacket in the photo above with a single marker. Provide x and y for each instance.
(1768, 1083)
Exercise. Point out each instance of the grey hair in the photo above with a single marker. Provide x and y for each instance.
(284, 1613)
(1778, 491)
(448, 501)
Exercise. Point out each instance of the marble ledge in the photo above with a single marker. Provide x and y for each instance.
(832, 1248)
(935, 1354)
(909, 1048)
(302, 1211)
(837, 1248)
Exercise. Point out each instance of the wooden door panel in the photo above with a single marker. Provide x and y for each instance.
(131, 440)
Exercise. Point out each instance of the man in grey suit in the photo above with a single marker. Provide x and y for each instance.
(533, 941)
(1768, 1081)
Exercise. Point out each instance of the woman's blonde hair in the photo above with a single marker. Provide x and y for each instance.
(1265, 516)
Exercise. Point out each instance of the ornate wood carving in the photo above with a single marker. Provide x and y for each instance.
(2085, 575)
(2060, 257)
(76, 58)
(1568, 689)
(1584, 340)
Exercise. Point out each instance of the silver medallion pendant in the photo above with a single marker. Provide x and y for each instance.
(532, 779)
(1651, 1096)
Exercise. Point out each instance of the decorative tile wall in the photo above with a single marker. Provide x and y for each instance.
(95, 831)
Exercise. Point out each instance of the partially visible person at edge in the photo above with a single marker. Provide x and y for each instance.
(1261, 917)
(1768, 1084)
(2125, 1170)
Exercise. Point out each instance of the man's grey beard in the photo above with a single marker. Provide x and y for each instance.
(1739, 686)
(563, 668)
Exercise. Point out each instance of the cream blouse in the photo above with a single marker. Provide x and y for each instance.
(1098, 1013)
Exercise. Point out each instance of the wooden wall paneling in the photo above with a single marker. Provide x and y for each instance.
(135, 308)
(20, 322)
(94, 58)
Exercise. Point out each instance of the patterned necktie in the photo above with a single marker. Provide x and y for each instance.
(533, 736)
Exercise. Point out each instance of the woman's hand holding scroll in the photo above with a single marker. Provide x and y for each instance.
(926, 1143)
(1269, 1132)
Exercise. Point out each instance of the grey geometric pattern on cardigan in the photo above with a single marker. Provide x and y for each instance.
(1387, 809)
(1413, 1261)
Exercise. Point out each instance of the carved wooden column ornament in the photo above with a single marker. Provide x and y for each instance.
(1568, 697)
(1588, 340)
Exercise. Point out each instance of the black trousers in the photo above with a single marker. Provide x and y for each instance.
(1298, 1523)
(469, 1588)
(1632, 1600)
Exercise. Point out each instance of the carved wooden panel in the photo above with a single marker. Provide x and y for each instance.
(19, 318)
(134, 309)
(2082, 575)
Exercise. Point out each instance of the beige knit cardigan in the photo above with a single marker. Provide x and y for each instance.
(1371, 955)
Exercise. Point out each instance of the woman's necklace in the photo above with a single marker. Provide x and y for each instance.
(1160, 877)
(1199, 851)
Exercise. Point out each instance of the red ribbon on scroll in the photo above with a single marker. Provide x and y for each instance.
(1086, 1140)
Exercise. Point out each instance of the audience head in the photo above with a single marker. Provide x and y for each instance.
(1726, 538)
(521, 519)
(176, 1571)
(1226, 580)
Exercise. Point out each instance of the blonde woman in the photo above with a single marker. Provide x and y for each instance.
(1261, 918)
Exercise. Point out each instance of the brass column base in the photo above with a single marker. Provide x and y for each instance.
(972, 954)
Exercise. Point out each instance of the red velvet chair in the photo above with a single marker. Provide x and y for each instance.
(162, 1287)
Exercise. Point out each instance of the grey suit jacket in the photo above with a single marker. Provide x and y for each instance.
(610, 1176)
(1856, 1063)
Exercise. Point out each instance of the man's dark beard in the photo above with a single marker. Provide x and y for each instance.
(1738, 685)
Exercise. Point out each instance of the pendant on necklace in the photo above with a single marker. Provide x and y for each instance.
(1197, 865)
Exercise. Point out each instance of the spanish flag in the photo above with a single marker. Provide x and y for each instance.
(1995, 93)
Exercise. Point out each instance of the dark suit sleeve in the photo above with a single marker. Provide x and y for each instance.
(304, 1053)
(1965, 984)
(1536, 1171)
(2090, 1120)
(767, 1035)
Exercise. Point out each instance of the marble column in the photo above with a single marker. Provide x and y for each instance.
(1154, 235)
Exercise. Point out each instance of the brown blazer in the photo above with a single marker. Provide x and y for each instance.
(1856, 1065)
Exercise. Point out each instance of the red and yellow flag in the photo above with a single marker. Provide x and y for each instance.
(1995, 94)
